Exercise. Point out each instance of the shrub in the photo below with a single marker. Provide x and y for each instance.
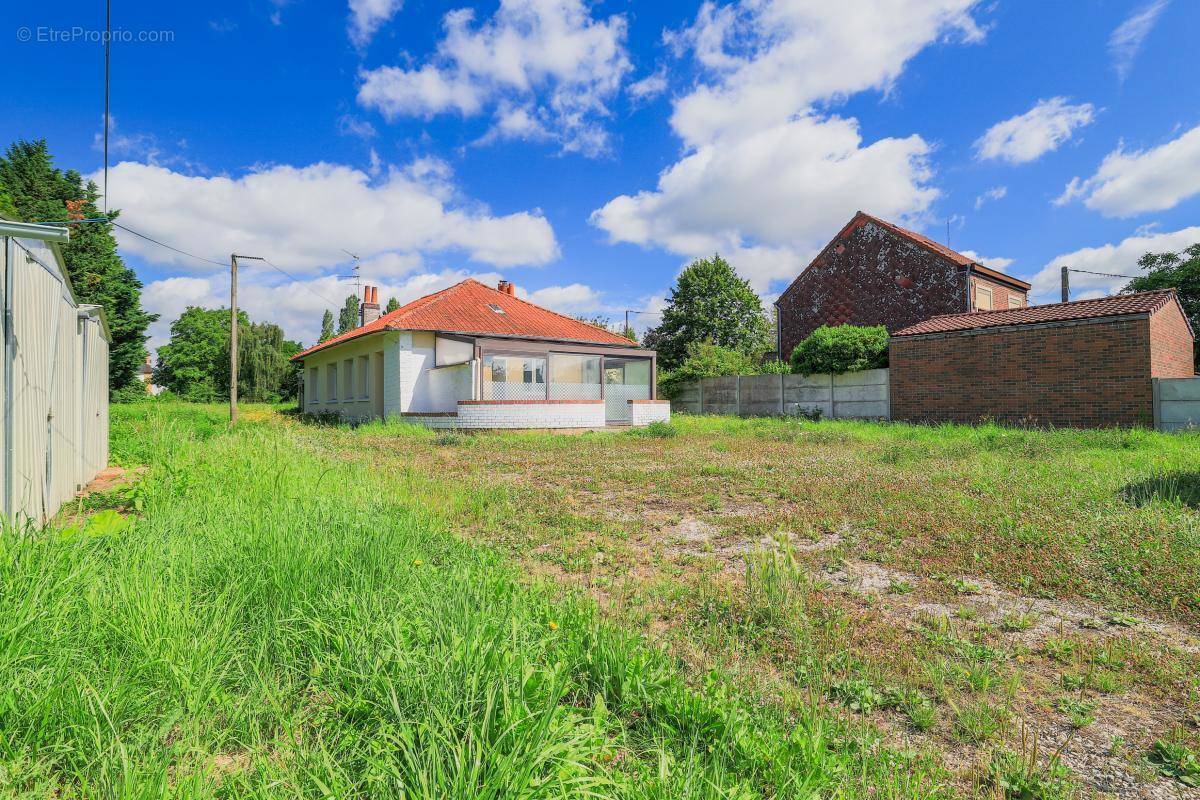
(706, 360)
(844, 348)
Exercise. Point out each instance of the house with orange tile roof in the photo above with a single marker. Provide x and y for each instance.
(476, 356)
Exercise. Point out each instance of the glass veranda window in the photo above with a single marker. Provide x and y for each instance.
(574, 377)
(514, 377)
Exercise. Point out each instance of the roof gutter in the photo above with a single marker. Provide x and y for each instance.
(28, 230)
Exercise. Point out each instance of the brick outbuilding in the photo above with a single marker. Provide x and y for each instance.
(875, 272)
(1087, 363)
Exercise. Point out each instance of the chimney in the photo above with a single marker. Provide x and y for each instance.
(507, 288)
(370, 304)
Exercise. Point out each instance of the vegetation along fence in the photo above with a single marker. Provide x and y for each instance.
(861, 395)
(1176, 403)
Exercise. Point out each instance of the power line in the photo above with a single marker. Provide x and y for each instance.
(107, 73)
(1103, 274)
(164, 244)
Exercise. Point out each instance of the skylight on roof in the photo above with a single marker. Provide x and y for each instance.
(495, 308)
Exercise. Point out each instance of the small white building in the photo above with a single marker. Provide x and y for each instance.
(473, 356)
(54, 424)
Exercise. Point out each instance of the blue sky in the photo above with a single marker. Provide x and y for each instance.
(588, 151)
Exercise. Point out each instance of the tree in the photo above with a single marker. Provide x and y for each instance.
(709, 303)
(1179, 271)
(392, 305)
(31, 189)
(348, 317)
(195, 363)
(326, 326)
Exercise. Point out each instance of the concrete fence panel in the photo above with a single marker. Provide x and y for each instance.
(852, 395)
(1176, 404)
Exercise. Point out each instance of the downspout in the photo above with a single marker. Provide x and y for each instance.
(969, 304)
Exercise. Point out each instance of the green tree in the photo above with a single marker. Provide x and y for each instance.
(195, 363)
(709, 303)
(392, 305)
(1179, 271)
(348, 316)
(33, 190)
(326, 326)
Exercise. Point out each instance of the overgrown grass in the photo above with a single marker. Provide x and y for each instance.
(285, 620)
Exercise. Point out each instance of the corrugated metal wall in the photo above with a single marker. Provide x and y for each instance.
(57, 385)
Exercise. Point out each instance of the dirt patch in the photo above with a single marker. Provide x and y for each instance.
(110, 478)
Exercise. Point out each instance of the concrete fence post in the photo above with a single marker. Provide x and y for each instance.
(832, 399)
(737, 395)
(781, 407)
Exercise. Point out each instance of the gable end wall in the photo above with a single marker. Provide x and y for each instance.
(869, 276)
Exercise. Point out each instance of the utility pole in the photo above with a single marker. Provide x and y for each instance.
(233, 334)
(1066, 284)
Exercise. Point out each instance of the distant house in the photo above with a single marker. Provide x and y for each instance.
(877, 273)
(146, 376)
(473, 356)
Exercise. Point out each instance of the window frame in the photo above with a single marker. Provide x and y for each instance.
(313, 398)
(980, 289)
(331, 381)
(362, 376)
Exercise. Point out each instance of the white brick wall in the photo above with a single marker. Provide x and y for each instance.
(642, 414)
(478, 416)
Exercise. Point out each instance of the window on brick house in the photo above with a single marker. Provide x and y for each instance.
(983, 298)
(1015, 301)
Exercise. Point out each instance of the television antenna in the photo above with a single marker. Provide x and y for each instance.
(357, 276)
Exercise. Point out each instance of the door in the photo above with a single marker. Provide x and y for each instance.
(625, 379)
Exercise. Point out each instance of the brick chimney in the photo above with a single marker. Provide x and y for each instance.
(507, 288)
(370, 304)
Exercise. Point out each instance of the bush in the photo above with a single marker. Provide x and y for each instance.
(844, 348)
(706, 360)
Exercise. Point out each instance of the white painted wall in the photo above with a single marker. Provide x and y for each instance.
(359, 405)
(448, 385)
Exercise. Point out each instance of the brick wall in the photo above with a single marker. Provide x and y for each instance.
(643, 412)
(1000, 293)
(1095, 374)
(539, 414)
(869, 277)
(1171, 344)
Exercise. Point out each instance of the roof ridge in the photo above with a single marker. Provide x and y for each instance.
(552, 311)
(1053, 305)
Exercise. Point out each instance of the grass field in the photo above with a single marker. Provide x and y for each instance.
(717, 608)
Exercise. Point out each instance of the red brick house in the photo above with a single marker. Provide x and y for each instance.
(877, 273)
(1089, 363)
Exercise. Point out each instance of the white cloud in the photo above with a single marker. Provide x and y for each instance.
(549, 58)
(995, 263)
(765, 177)
(350, 125)
(1041, 129)
(1143, 180)
(302, 217)
(368, 16)
(1116, 259)
(1126, 41)
(770, 59)
(575, 298)
(995, 193)
(649, 87)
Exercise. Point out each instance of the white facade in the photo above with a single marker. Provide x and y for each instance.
(439, 380)
(54, 430)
